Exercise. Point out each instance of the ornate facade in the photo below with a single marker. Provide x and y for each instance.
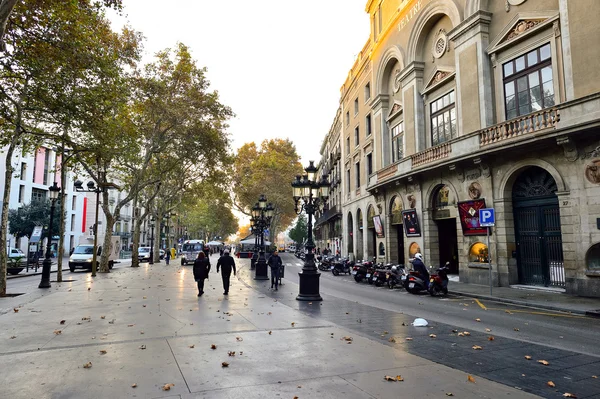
(456, 105)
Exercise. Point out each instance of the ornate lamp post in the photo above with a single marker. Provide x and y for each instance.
(152, 240)
(91, 188)
(254, 230)
(262, 214)
(47, 264)
(308, 193)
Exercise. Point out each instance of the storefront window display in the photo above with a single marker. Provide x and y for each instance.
(478, 253)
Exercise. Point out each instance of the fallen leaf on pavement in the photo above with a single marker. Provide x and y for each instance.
(224, 364)
(270, 332)
(130, 325)
(461, 334)
(239, 339)
(471, 379)
(89, 288)
(392, 339)
(399, 378)
(16, 310)
(389, 378)
(269, 313)
(88, 318)
(478, 320)
(594, 376)
(349, 339)
(14, 336)
(192, 346)
(134, 385)
(569, 395)
(87, 365)
(544, 362)
(62, 321)
(477, 347)
(299, 386)
(57, 332)
(142, 346)
(508, 311)
(491, 338)
(528, 357)
(516, 329)
(141, 332)
(103, 352)
(409, 339)
(449, 394)
(551, 384)
(241, 353)
(103, 317)
(488, 330)
(143, 297)
(466, 333)
(385, 332)
(293, 324)
(213, 347)
(167, 387)
(432, 336)
(230, 353)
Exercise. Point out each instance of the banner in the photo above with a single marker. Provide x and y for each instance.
(411, 223)
(468, 212)
(378, 226)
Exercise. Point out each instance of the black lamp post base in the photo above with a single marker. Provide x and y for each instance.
(261, 270)
(309, 287)
(45, 282)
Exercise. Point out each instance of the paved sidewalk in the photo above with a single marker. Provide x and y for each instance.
(532, 297)
(142, 329)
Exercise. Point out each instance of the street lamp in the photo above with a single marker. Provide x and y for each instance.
(47, 264)
(262, 214)
(254, 230)
(308, 195)
(152, 240)
(91, 187)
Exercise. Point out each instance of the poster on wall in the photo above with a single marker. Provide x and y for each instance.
(411, 223)
(468, 212)
(378, 226)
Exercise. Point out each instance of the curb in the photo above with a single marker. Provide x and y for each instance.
(528, 304)
(32, 274)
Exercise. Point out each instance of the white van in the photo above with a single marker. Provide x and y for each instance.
(82, 256)
(190, 250)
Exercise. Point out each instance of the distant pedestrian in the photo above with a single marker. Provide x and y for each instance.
(226, 263)
(173, 253)
(167, 256)
(275, 263)
(201, 270)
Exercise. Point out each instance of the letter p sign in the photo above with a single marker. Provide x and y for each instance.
(487, 217)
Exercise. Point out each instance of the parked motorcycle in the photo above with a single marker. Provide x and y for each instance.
(438, 282)
(396, 279)
(341, 265)
(326, 263)
(414, 283)
(363, 270)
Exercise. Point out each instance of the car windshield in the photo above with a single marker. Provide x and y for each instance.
(192, 247)
(84, 250)
(143, 249)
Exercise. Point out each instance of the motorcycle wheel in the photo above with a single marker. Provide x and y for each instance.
(370, 281)
(335, 272)
(357, 278)
(445, 291)
(432, 290)
(391, 285)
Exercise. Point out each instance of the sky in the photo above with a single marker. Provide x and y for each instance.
(279, 64)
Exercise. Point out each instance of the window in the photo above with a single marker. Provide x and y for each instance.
(21, 193)
(348, 179)
(74, 203)
(369, 164)
(357, 166)
(356, 106)
(356, 136)
(528, 85)
(46, 166)
(72, 222)
(347, 145)
(398, 142)
(368, 124)
(367, 92)
(347, 118)
(23, 171)
(38, 195)
(443, 119)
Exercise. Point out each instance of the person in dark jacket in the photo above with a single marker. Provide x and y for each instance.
(226, 263)
(419, 266)
(275, 263)
(201, 270)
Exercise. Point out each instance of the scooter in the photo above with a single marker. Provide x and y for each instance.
(414, 283)
(438, 282)
(326, 263)
(363, 270)
(396, 279)
(342, 265)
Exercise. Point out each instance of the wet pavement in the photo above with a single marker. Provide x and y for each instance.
(134, 332)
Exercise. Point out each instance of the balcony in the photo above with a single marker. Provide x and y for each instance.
(122, 234)
(329, 214)
(431, 154)
(515, 128)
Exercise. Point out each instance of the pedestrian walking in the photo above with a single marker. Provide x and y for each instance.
(226, 263)
(173, 253)
(167, 256)
(201, 270)
(275, 263)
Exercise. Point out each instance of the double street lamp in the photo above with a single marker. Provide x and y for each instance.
(152, 240)
(309, 194)
(262, 214)
(91, 188)
(47, 264)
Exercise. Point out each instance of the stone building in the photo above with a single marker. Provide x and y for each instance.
(457, 105)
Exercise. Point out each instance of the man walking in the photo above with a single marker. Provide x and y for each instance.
(275, 263)
(226, 263)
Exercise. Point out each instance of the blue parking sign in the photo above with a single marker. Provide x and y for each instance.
(487, 217)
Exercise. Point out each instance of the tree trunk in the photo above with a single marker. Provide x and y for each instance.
(6, 7)
(4, 223)
(157, 240)
(110, 222)
(135, 262)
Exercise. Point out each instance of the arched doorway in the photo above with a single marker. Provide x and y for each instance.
(444, 216)
(537, 229)
(371, 233)
(359, 235)
(396, 231)
(350, 234)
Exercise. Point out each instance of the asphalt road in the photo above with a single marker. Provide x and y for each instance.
(553, 329)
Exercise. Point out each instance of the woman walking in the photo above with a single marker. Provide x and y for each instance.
(201, 270)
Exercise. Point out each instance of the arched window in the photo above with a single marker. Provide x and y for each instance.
(592, 260)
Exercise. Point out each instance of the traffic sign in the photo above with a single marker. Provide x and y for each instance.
(36, 235)
(487, 217)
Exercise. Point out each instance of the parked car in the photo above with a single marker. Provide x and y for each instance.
(15, 253)
(162, 253)
(82, 257)
(16, 259)
(144, 254)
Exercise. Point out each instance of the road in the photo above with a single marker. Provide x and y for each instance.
(557, 330)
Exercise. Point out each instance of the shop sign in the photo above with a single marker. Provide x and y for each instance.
(468, 212)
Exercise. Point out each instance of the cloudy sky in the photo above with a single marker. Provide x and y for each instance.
(279, 64)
